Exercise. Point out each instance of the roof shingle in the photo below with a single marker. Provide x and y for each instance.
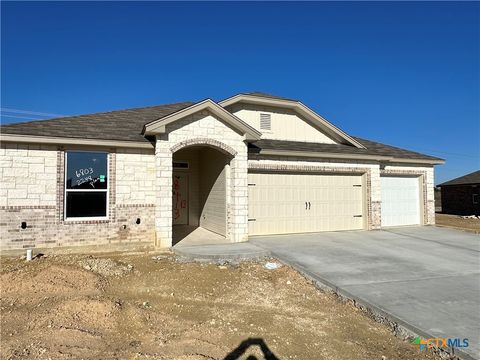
(372, 148)
(124, 125)
(469, 179)
(127, 125)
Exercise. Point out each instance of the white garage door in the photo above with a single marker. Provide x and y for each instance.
(294, 203)
(400, 201)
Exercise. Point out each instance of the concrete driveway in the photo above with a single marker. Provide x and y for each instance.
(425, 278)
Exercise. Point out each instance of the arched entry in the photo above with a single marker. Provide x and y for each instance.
(200, 191)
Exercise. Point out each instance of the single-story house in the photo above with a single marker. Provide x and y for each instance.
(252, 164)
(461, 196)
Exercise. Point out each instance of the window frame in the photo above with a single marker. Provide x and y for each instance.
(65, 190)
(475, 198)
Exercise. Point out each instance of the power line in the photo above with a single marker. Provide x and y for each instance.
(449, 153)
(18, 117)
(27, 112)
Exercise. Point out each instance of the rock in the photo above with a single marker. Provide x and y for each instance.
(272, 266)
(288, 282)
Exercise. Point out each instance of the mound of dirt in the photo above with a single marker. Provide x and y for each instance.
(47, 281)
(105, 267)
(85, 307)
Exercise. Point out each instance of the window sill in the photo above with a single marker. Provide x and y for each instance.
(92, 220)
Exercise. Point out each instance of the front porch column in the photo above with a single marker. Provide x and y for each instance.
(163, 199)
(239, 197)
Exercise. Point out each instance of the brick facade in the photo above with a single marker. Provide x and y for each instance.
(33, 192)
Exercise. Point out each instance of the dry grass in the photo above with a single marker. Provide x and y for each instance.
(457, 222)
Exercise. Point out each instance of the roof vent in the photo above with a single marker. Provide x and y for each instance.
(265, 122)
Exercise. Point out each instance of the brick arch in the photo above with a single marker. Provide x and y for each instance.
(205, 142)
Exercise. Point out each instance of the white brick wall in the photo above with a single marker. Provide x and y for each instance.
(135, 182)
(29, 175)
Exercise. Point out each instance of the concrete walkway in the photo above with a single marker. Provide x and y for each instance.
(221, 252)
(426, 279)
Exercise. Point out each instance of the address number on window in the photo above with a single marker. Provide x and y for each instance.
(83, 172)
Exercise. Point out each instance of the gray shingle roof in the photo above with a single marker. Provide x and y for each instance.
(372, 148)
(469, 179)
(125, 125)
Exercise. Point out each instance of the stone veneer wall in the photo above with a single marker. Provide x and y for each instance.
(202, 129)
(32, 191)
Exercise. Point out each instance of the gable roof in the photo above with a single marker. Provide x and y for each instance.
(123, 128)
(373, 150)
(303, 110)
(469, 179)
(158, 126)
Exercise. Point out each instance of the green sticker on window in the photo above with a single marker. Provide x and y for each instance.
(102, 178)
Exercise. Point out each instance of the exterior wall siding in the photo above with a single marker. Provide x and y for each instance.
(32, 192)
(29, 175)
(135, 177)
(285, 124)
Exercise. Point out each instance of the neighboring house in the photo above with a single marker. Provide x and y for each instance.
(461, 196)
(252, 164)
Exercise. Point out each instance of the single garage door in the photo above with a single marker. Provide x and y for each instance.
(400, 200)
(296, 203)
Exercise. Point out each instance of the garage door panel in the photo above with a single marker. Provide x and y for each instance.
(400, 201)
(333, 203)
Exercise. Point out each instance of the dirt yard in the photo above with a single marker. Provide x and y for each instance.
(457, 222)
(139, 307)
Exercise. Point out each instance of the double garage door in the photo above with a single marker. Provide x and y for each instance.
(296, 203)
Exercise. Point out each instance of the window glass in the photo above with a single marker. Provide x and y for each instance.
(86, 184)
(86, 204)
(86, 170)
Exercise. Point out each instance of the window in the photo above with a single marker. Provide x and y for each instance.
(475, 198)
(86, 185)
(265, 122)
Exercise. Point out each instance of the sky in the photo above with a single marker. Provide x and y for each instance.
(405, 74)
